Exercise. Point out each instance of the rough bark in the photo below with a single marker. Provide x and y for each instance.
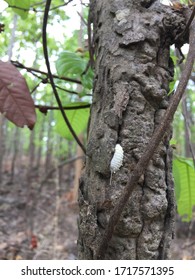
(132, 73)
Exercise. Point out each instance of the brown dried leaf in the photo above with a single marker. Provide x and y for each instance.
(16, 102)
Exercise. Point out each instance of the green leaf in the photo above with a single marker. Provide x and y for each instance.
(171, 87)
(21, 7)
(70, 63)
(173, 141)
(184, 178)
(87, 79)
(77, 118)
(174, 58)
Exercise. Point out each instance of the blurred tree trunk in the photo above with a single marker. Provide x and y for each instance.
(79, 163)
(189, 149)
(3, 121)
(2, 143)
(133, 69)
(40, 147)
(31, 154)
(16, 144)
(78, 168)
(49, 142)
(186, 115)
(12, 38)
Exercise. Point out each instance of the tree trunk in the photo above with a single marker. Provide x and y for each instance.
(48, 158)
(189, 151)
(16, 144)
(31, 151)
(79, 152)
(133, 69)
(78, 169)
(40, 147)
(3, 121)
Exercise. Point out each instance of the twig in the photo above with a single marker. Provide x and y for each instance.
(90, 43)
(151, 147)
(31, 70)
(45, 81)
(2, 26)
(59, 6)
(65, 162)
(18, 8)
(184, 33)
(187, 25)
(67, 90)
(38, 11)
(50, 76)
(34, 89)
(188, 245)
(82, 18)
(45, 108)
(86, 69)
(38, 4)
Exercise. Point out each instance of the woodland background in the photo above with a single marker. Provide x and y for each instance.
(40, 168)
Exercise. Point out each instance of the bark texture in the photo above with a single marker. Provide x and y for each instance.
(133, 69)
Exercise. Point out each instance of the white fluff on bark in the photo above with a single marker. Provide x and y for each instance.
(117, 160)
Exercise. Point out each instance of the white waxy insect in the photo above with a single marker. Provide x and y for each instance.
(116, 161)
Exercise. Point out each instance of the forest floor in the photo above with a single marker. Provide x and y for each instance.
(39, 221)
